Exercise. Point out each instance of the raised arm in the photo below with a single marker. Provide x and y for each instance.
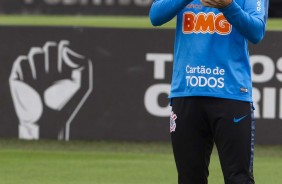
(250, 22)
(163, 11)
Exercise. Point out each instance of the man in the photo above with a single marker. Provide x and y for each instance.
(211, 89)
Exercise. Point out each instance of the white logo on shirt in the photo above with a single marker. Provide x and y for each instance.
(258, 5)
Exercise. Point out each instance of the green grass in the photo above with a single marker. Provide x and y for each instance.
(98, 21)
(88, 21)
(51, 162)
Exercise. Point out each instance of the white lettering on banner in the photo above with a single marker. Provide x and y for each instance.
(269, 110)
(256, 100)
(267, 96)
(280, 104)
(139, 3)
(153, 92)
(159, 63)
(151, 100)
(268, 68)
(279, 67)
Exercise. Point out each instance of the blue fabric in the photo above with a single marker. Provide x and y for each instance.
(163, 11)
(211, 55)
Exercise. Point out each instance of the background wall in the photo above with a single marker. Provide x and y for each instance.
(98, 83)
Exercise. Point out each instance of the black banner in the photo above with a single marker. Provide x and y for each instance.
(266, 61)
(47, 75)
(275, 8)
(83, 83)
(71, 7)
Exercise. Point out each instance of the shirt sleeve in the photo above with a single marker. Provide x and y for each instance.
(163, 11)
(250, 21)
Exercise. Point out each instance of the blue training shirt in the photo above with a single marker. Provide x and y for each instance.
(211, 55)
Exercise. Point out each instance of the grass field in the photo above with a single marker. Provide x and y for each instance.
(51, 162)
(99, 21)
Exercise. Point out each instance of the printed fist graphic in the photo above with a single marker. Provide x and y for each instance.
(48, 87)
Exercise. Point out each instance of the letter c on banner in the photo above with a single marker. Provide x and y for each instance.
(151, 100)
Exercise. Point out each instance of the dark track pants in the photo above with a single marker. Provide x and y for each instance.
(199, 122)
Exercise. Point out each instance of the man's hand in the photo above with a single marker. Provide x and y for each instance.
(216, 3)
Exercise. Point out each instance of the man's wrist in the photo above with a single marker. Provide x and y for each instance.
(229, 7)
(228, 4)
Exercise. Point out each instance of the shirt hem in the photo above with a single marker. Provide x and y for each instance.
(232, 97)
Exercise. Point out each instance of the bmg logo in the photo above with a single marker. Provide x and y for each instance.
(205, 23)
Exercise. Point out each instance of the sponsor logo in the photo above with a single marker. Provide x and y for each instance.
(244, 90)
(205, 23)
(173, 117)
(202, 76)
(237, 120)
